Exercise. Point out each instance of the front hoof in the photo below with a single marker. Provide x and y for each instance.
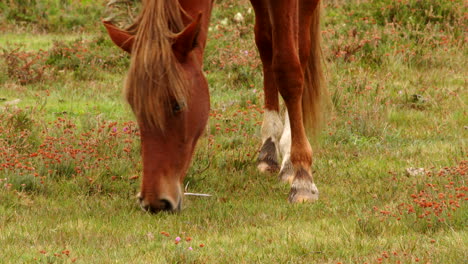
(268, 166)
(302, 196)
(267, 161)
(303, 189)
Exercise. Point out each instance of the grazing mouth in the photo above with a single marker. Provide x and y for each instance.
(163, 205)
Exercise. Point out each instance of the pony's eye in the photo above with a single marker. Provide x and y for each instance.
(176, 107)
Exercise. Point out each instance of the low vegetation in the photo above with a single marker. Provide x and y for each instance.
(391, 161)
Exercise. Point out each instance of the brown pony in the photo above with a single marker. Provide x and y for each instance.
(168, 92)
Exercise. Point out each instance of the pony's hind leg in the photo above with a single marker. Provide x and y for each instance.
(272, 127)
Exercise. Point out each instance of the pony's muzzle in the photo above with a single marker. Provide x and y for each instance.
(162, 204)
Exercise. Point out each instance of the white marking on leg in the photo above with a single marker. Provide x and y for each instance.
(272, 127)
(285, 142)
(271, 132)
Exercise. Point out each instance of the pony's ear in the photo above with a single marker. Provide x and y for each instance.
(186, 40)
(120, 37)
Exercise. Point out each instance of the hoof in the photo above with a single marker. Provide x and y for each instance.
(303, 195)
(267, 161)
(264, 167)
(287, 172)
(303, 189)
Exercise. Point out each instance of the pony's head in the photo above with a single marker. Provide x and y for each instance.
(168, 94)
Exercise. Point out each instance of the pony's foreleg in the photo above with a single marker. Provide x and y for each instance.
(272, 127)
(289, 77)
(271, 133)
(297, 154)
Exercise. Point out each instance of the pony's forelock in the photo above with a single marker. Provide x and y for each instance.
(155, 78)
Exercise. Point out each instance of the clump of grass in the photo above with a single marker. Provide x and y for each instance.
(122, 13)
(53, 16)
(24, 67)
(19, 129)
(417, 13)
(83, 58)
(33, 150)
(378, 33)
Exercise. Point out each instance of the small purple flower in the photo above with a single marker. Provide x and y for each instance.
(114, 129)
(190, 248)
(125, 129)
(177, 239)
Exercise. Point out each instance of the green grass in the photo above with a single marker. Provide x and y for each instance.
(70, 156)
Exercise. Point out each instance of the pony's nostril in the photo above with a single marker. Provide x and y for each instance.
(166, 205)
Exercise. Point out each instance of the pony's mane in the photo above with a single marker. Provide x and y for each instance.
(155, 79)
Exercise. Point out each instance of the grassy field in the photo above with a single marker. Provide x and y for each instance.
(391, 162)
